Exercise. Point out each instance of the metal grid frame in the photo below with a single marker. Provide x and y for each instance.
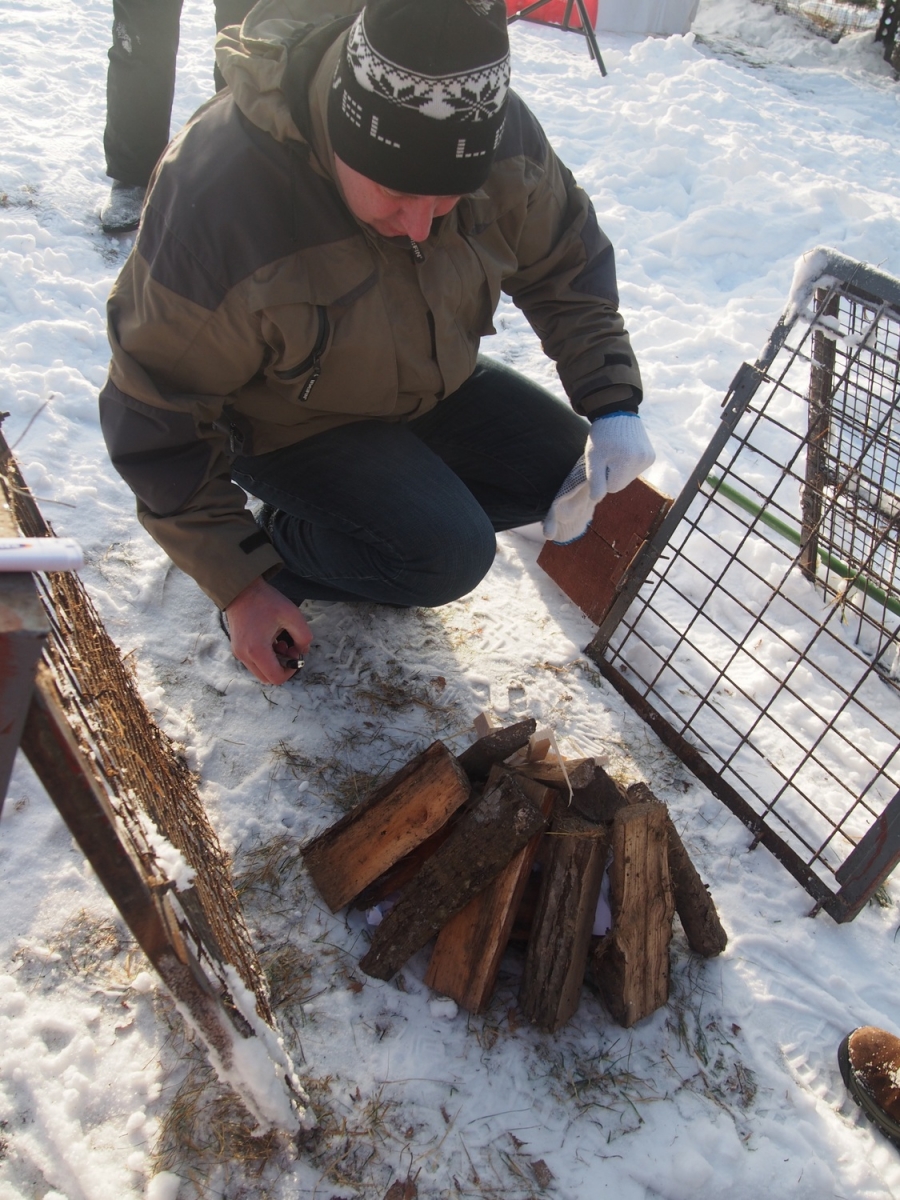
(759, 633)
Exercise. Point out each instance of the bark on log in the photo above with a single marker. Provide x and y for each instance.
(494, 748)
(466, 958)
(600, 797)
(399, 815)
(693, 903)
(633, 975)
(481, 845)
(560, 938)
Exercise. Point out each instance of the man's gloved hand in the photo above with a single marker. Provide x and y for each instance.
(617, 450)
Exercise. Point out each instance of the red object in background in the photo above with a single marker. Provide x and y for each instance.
(554, 12)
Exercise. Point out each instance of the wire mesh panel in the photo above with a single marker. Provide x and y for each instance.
(760, 634)
(124, 793)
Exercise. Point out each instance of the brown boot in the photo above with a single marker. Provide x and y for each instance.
(869, 1059)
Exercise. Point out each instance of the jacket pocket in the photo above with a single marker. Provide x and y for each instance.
(313, 360)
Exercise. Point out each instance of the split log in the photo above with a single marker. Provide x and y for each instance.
(523, 922)
(481, 845)
(398, 816)
(599, 798)
(579, 772)
(492, 749)
(560, 937)
(693, 903)
(466, 958)
(398, 876)
(633, 972)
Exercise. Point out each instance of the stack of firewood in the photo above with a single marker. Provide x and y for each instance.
(511, 842)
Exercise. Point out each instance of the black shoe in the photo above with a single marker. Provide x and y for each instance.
(122, 211)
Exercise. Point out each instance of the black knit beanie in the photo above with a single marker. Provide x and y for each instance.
(419, 95)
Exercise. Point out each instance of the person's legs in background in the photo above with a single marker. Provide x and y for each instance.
(405, 513)
(140, 85)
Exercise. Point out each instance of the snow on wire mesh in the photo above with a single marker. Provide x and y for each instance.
(766, 637)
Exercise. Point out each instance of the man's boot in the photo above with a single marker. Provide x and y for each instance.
(869, 1059)
(122, 211)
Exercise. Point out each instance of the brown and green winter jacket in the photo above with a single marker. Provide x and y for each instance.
(255, 310)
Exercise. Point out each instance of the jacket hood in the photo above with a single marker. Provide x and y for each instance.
(253, 56)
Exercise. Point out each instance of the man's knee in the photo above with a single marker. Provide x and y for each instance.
(455, 560)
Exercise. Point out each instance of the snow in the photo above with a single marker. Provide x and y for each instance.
(716, 160)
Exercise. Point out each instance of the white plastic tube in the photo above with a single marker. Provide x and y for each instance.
(40, 554)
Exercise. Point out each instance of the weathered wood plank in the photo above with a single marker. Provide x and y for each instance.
(576, 853)
(492, 749)
(398, 816)
(693, 903)
(633, 974)
(483, 842)
(466, 958)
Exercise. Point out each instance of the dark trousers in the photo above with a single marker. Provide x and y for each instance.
(406, 513)
(140, 82)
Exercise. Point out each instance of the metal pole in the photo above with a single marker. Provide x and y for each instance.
(821, 378)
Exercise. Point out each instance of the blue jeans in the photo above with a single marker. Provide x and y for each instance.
(405, 513)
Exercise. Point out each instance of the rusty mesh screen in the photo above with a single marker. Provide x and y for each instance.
(761, 637)
(133, 760)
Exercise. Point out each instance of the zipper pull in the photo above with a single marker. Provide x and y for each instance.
(311, 382)
(416, 251)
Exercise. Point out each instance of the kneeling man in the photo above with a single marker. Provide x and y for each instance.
(321, 251)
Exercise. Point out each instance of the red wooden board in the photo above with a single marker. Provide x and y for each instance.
(590, 570)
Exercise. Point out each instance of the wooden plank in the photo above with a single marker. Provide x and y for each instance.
(51, 748)
(23, 630)
(872, 860)
(633, 973)
(576, 853)
(693, 903)
(494, 747)
(396, 817)
(483, 842)
(592, 570)
(466, 958)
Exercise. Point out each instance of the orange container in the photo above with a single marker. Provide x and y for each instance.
(554, 12)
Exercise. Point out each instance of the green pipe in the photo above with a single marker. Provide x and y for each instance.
(793, 535)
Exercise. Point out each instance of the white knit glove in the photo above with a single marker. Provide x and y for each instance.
(617, 450)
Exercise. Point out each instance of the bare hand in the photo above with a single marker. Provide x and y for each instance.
(256, 618)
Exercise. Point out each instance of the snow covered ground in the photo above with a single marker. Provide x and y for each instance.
(714, 161)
